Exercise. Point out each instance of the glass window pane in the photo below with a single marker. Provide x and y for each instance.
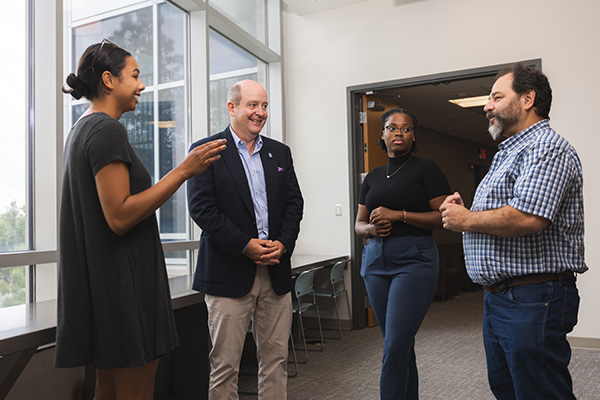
(131, 31)
(13, 140)
(229, 63)
(77, 111)
(159, 140)
(177, 263)
(172, 151)
(227, 57)
(171, 43)
(140, 130)
(13, 224)
(13, 281)
(248, 14)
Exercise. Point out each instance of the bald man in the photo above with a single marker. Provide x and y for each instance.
(249, 206)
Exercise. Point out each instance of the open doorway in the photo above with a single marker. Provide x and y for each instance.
(454, 137)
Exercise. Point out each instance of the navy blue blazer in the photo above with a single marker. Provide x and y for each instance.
(220, 203)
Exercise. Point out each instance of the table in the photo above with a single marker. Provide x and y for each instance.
(302, 262)
(26, 328)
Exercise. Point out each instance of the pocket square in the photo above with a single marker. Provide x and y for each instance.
(279, 169)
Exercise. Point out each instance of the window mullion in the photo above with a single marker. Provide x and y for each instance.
(155, 101)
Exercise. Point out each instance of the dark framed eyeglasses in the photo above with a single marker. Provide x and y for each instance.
(104, 41)
(404, 129)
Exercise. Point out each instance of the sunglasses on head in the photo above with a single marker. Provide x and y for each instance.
(104, 41)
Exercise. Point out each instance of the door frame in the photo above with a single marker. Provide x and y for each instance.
(356, 162)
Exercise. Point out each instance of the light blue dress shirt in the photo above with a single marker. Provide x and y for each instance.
(255, 175)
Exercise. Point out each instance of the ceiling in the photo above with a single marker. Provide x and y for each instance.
(430, 104)
(304, 7)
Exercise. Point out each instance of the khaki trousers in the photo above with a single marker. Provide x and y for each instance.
(228, 320)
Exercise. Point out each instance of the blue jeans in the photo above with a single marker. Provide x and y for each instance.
(524, 333)
(400, 275)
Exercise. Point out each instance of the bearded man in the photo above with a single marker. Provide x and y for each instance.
(523, 241)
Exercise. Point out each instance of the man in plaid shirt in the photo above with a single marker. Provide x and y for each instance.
(523, 241)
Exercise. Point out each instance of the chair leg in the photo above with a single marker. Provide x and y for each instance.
(348, 304)
(295, 359)
(303, 338)
(337, 315)
(320, 329)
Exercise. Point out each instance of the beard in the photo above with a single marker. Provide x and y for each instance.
(504, 120)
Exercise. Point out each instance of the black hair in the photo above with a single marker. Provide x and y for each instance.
(389, 113)
(526, 78)
(96, 59)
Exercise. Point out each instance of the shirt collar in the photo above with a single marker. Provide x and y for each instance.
(523, 136)
(242, 145)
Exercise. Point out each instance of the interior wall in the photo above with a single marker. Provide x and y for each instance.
(457, 158)
(382, 40)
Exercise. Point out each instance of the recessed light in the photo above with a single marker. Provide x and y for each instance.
(467, 102)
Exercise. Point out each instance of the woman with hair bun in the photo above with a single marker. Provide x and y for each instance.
(114, 304)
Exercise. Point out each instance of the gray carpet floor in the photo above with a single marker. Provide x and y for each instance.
(450, 358)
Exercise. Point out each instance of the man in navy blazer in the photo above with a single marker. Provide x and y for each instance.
(249, 206)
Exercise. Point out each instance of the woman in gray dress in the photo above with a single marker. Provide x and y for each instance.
(114, 304)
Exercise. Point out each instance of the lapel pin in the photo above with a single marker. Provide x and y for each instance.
(270, 155)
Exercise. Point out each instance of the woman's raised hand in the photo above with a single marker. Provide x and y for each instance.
(199, 158)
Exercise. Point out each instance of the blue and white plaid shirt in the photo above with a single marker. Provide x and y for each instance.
(538, 172)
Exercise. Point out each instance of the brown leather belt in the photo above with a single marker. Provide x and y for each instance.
(527, 280)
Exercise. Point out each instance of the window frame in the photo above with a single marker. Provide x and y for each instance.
(48, 109)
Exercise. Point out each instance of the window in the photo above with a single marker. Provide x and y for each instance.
(14, 150)
(170, 45)
(248, 14)
(229, 63)
(155, 35)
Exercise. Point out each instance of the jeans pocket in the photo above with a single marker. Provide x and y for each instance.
(365, 259)
(531, 295)
(570, 307)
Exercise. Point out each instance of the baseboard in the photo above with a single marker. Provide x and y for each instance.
(584, 343)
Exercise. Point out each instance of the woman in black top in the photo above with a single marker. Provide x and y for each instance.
(114, 305)
(398, 208)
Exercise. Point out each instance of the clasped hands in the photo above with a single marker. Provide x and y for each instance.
(381, 220)
(264, 252)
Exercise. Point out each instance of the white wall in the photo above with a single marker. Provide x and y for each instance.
(382, 40)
